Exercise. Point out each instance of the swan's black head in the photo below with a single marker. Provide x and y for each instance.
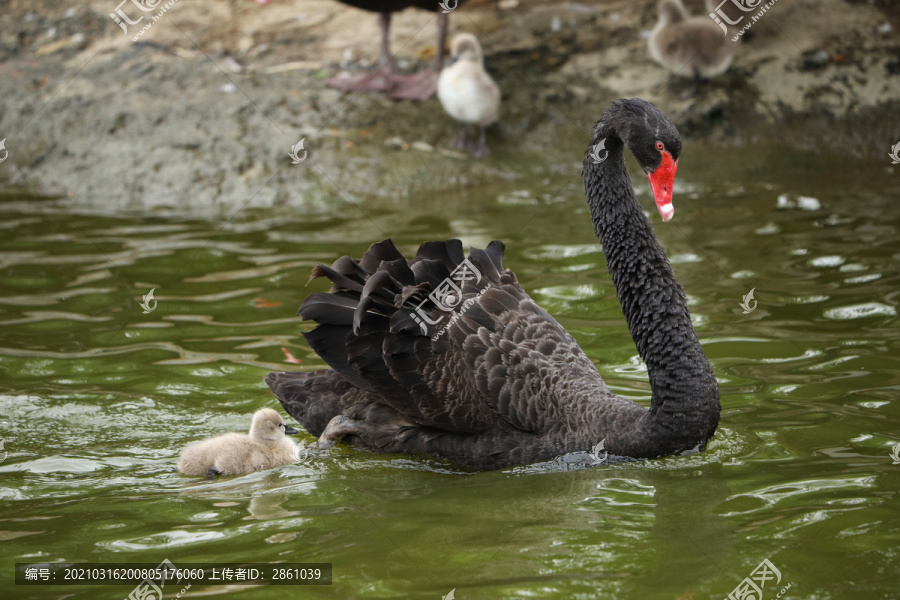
(653, 140)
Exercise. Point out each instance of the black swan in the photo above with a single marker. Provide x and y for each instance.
(419, 86)
(493, 380)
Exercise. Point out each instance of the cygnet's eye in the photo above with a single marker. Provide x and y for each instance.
(660, 146)
(281, 424)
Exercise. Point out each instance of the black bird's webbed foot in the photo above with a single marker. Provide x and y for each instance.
(461, 142)
(338, 428)
(481, 149)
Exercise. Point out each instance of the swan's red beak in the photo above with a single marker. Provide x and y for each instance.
(662, 180)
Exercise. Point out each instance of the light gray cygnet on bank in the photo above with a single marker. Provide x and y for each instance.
(689, 46)
(235, 453)
(467, 92)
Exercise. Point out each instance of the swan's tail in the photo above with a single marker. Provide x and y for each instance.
(313, 399)
(383, 319)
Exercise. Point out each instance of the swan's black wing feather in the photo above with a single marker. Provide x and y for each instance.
(453, 371)
(377, 253)
(329, 308)
(330, 342)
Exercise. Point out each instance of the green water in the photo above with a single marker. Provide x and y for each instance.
(97, 398)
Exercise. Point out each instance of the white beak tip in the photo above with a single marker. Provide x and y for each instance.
(667, 211)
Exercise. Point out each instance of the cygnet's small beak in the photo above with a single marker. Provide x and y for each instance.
(290, 430)
(451, 60)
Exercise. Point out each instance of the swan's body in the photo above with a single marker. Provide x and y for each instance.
(497, 381)
(466, 91)
(689, 46)
(235, 453)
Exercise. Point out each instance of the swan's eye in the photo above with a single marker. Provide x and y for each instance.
(660, 146)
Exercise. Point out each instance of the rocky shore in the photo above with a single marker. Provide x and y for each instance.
(203, 109)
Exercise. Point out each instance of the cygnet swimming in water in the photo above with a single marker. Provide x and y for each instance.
(237, 454)
(467, 92)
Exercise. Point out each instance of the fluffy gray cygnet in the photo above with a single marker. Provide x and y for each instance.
(236, 453)
(689, 46)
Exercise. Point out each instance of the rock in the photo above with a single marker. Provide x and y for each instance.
(91, 114)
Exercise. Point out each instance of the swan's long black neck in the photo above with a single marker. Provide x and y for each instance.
(685, 397)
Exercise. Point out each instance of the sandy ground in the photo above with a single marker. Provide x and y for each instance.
(174, 119)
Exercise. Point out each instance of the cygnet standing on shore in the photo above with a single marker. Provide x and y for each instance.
(689, 46)
(467, 92)
(237, 454)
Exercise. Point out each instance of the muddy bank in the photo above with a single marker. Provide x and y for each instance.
(204, 108)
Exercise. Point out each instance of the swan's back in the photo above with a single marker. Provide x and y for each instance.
(416, 374)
